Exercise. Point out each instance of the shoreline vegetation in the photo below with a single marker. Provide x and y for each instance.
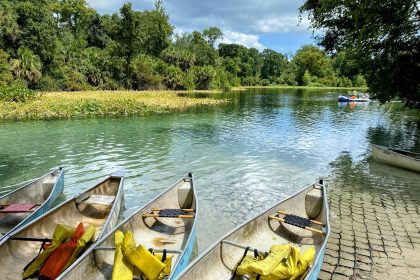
(81, 104)
(58, 46)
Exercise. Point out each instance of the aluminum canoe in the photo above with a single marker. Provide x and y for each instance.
(99, 206)
(395, 157)
(262, 232)
(98, 261)
(42, 191)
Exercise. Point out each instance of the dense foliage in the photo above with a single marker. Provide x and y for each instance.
(382, 37)
(52, 45)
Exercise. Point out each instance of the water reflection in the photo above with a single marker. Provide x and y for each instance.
(246, 155)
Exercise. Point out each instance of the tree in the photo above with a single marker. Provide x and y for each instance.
(5, 74)
(181, 58)
(316, 62)
(212, 34)
(383, 37)
(273, 65)
(27, 66)
(204, 53)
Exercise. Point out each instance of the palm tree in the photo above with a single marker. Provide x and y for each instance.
(27, 65)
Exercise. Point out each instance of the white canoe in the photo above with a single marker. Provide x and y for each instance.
(400, 158)
(40, 192)
(99, 206)
(263, 231)
(149, 229)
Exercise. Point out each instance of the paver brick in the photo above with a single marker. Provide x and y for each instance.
(346, 263)
(328, 268)
(364, 259)
(323, 275)
(343, 270)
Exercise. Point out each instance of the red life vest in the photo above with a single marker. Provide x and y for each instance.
(58, 259)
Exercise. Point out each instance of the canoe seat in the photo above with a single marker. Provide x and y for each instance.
(297, 228)
(313, 203)
(170, 213)
(18, 208)
(100, 199)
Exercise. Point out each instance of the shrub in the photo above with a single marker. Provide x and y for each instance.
(265, 82)
(203, 76)
(359, 81)
(48, 83)
(344, 82)
(16, 92)
(144, 70)
(220, 80)
(172, 77)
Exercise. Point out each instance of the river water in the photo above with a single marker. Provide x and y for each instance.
(262, 146)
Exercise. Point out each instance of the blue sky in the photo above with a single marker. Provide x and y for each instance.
(262, 24)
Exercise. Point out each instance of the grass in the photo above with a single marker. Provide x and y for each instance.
(54, 105)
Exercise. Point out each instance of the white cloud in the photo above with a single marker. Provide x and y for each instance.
(248, 40)
(244, 22)
(286, 23)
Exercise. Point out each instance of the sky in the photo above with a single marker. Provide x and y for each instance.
(260, 24)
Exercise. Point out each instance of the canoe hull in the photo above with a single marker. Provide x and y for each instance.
(185, 260)
(317, 266)
(98, 260)
(260, 232)
(385, 155)
(17, 253)
(56, 190)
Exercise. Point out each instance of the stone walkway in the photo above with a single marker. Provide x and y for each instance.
(374, 236)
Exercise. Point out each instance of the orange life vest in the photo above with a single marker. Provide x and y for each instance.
(57, 260)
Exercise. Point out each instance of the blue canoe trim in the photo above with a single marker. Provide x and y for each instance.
(187, 253)
(314, 271)
(185, 260)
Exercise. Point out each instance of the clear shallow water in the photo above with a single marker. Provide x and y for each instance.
(246, 155)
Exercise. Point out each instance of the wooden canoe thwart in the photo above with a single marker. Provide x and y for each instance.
(30, 201)
(395, 157)
(300, 220)
(174, 233)
(21, 246)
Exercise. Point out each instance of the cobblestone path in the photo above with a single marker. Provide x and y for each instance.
(374, 235)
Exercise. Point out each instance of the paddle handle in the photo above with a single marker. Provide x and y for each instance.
(307, 228)
(314, 222)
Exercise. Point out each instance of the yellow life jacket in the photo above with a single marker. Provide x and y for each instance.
(88, 236)
(168, 262)
(274, 258)
(294, 266)
(141, 258)
(123, 269)
(304, 261)
(61, 234)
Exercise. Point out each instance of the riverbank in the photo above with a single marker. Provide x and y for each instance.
(54, 105)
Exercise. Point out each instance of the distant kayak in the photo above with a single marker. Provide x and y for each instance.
(342, 98)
